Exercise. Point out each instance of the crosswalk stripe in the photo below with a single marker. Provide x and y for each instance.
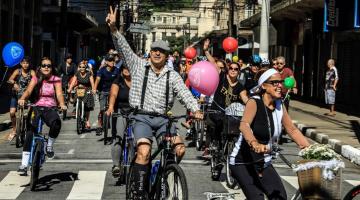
(12, 185)
(292, 180)
(239, 195)
(90, 185)
(353, 182)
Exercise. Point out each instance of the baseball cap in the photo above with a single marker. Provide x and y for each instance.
(109, 57)
(160, 44)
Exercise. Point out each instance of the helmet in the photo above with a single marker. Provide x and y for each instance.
(265, 62)
(255, 60)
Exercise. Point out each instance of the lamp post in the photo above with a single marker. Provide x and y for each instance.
(264, 29)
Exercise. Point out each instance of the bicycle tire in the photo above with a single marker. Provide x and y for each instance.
(230, 181)
(35, 165)
(354, 193)
(79, 119)
(106, 121)
(215, 168)
(129, 183)
(131, 155)
(200, 136)
(18, 132)
(64, 113)
(178, 175)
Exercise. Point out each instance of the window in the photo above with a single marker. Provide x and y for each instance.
(188, 19)
(158, 18)
(173, 34)
(153, 36)
(164, 20)
(153, 19)
(174, 19)
(163, 36)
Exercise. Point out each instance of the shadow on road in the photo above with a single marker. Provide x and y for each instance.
(356, 127)
(46, 182)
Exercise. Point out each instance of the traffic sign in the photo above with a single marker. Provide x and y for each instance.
(139, 28)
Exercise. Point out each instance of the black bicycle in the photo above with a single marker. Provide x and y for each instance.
(80, 109)
(199, 132)
(353, 194)
(169, 182)
(21, 126)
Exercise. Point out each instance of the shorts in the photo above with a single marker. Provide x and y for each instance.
(13, 102)
(146, 126)
(103, 100)
(330, 96)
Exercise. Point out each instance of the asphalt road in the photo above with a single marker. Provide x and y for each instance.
(82, 170)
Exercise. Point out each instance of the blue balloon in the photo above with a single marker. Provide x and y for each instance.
(92, 62)
(195, 93)
(12, 54)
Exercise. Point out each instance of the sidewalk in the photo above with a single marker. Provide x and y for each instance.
(342, 131)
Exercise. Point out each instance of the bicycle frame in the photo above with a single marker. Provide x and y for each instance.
(38, 136)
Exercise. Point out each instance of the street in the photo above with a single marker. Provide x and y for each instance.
(82, 170)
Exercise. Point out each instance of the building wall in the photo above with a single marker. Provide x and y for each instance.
(207, 17)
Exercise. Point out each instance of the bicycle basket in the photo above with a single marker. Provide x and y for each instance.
(235, 109)
(231, 125)
(80, 92)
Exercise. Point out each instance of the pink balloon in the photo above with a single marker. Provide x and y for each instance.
(204, 77)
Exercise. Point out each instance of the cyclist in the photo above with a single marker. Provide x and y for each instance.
(45, 88)
(104, 78)
(148, 93)
(67, 70)
(119, 101)
(84, 78)
(19, 79)
(247, 75)
(250, 161)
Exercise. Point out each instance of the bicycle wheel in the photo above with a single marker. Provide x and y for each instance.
(200, 135)
(230, 181)
(126, 162)
(354, 193)
(130, 184)
(106, 121)
(79, 123)
(18, 132)
(175, 184)
(64, 113)
(35, 165)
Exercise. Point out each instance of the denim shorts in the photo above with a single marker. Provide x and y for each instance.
(330, 96)
(146, 126)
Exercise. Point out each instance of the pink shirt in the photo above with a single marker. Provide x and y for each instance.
(47, 92)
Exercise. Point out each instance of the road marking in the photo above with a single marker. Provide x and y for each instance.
(71, 151)
(281, 166)
(292, 180)
(239, 195)
(83, 136)
(19, 153)
(90, 185)
(12, 185)
(353, 182)
(84, 160)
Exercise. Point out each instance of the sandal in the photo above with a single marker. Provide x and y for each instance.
(11, 136)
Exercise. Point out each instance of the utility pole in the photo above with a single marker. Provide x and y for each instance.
(264, 29)
(231, 17)
(121, 17)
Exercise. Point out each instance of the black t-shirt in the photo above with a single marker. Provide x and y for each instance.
(225, 94)
(122, 100)
(107, 78)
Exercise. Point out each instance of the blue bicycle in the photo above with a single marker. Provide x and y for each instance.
(37, 154)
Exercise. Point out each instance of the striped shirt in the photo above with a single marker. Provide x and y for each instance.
(155, 93)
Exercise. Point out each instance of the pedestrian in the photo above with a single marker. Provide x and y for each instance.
(331, 81)
(285, 72)
(264, 115)
(247, 75)
(19, 80)
(67, 70)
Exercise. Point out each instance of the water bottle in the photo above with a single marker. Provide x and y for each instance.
(154, 171)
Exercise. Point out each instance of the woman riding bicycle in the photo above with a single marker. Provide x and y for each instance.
(19, 79)
(46, 90)
(119, 101)
(261, 124)
(84, 79)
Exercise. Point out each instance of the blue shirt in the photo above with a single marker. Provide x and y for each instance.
(107, 78)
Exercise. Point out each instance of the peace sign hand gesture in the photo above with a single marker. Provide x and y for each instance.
(111, 19)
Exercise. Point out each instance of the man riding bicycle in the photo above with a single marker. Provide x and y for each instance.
(152, 92)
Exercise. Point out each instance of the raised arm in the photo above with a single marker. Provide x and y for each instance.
(207, 53)
(122, 45)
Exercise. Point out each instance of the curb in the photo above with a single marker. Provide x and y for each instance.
(338, 146)
(5, 125)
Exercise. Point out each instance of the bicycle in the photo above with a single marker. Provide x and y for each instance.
(199, 133)
(353, 194)
(37, 154)
(67, 100)
(21, 126)
(80, 106)
(128, 146)
(168, 172)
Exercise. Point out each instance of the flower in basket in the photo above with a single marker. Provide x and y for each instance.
(321, 156)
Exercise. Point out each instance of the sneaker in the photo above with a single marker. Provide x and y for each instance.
(22, 168)
(99, 131)
(50, 152)
(115, 171)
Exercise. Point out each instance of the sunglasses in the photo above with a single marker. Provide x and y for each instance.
(158, 50)
(82, 67)
(275, 83)
(234, 68)
(46, 66)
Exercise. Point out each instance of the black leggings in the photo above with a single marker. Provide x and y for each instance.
(254, 187)
(50, 117)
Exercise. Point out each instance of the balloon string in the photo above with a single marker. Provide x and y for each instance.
(2, 81)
